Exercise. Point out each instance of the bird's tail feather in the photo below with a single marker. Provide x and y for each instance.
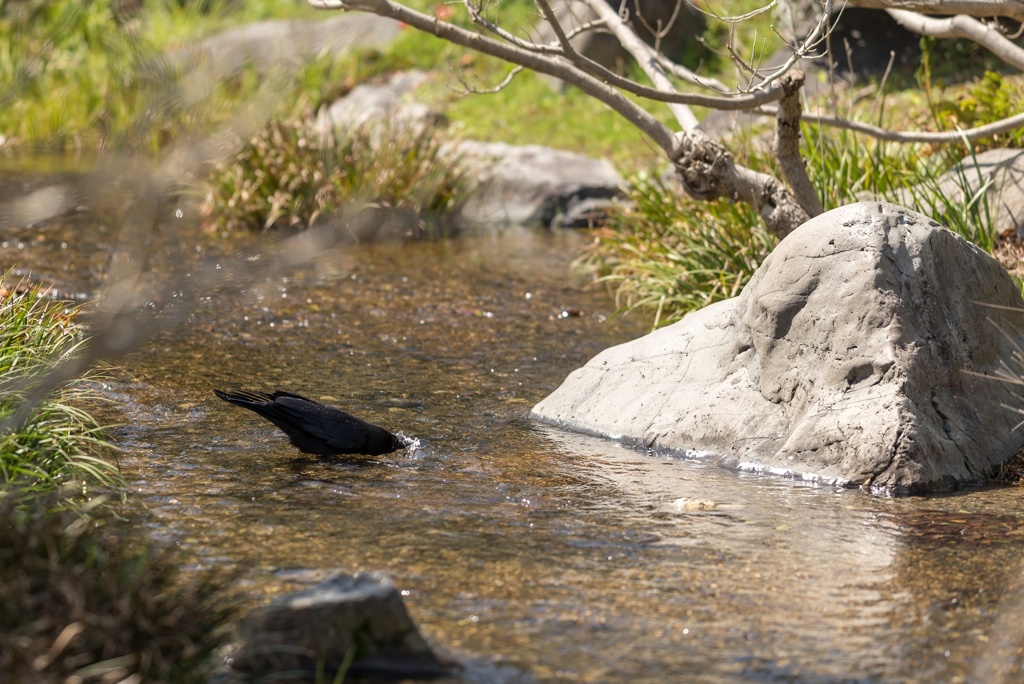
(243, 397)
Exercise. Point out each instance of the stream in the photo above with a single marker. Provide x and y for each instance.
(530, 553)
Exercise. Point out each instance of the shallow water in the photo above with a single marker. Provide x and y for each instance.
(531, 553)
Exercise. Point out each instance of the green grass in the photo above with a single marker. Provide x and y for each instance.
(671, 255)
(83, 82)
(290, 176)
(530, 112)
(45, 49)
(844, 168)
(61, 442)
(85, 87)
(79, 81)
(82, 596)
(170, 24)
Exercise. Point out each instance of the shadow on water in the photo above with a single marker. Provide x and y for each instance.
(536, 554)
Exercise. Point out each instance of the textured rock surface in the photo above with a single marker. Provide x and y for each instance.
(511, 184)
(531, 184)
(847, 358)
(317, 627)
(369, 103)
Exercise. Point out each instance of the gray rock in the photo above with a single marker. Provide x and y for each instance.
(510, 184)
(269, 44)
(370, 103)
(851, 357)
(999, 172)
(363, 612)
(532, 184)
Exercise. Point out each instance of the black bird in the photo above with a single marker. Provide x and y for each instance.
(315, 428)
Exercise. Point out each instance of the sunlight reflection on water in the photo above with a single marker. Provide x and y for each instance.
(537, 554)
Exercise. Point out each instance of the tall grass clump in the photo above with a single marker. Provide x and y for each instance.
(86, 599)
(844, 168)
(670, 254)
(291, 174)
(60, 442)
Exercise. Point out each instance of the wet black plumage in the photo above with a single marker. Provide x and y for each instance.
(315, 428)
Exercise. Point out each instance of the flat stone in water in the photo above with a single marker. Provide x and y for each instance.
(317, 628)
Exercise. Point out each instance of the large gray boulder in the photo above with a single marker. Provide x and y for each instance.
(853, 356)
(386, 104)
(509, 184)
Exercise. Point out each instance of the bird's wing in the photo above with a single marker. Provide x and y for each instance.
(333, 426)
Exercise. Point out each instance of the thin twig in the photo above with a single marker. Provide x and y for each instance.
(555, 48)
(970, 135)
(505, 82)
(640, 51)
(815, 38)
(736, 19)
(480, 20)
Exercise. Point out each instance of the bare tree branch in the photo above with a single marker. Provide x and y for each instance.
(537, 62)
(610, 77)
(572, 75)
(480, 20)
(816, 37)
(704, 166)
(970, 135)
(787, 145)
(736, 19)
(641, 52)
(504, 83)
(684, 74)
(707, 171)
(1013, 9)
(962, 26)
(570, 53)
(750, 67)
(554, 48)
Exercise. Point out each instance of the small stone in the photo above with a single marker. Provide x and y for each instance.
(687, 504)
